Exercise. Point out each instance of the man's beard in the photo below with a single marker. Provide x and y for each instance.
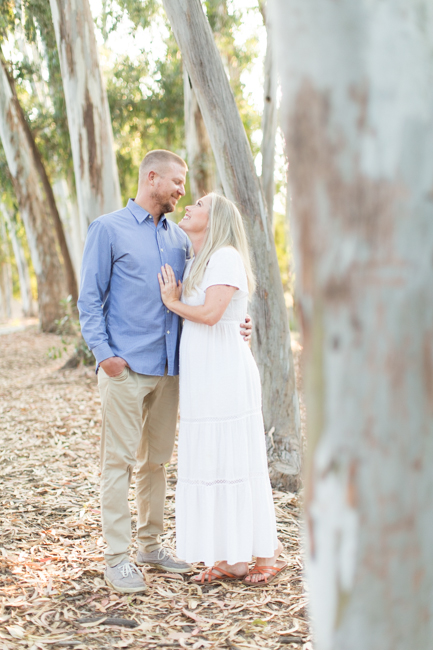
(163, 202)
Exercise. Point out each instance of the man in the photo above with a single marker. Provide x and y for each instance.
(135, 340)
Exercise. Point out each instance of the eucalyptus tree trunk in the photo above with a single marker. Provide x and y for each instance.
(270, 116)
(271, 341)
(68, 210)
(96, 176)
(5, 275)
(357, 109)
(201, 163)
(40, 90)
(32, 201)
(21, 262)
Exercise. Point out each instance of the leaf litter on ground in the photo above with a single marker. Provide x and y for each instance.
(52, 591)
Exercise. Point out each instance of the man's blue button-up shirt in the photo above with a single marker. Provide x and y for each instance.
(121, 311)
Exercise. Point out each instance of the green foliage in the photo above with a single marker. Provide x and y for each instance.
(140, 12)
(146, 113)
(281, 244)
(224, 22)
(38, 82)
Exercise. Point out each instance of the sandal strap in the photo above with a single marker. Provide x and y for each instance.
(265, 571)
(211, 573)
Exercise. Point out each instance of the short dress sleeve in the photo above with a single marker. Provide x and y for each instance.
(226, 267)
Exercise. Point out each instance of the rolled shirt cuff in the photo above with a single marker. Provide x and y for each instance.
(102, 352)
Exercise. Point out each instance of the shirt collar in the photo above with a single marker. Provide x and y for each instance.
(141, 214)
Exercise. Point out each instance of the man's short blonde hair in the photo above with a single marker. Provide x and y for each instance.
(157, 160)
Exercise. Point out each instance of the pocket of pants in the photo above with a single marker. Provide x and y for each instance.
(123, 375)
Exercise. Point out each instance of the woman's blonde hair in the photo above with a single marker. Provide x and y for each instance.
(225, 229)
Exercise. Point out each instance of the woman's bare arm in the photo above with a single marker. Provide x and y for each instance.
(217, 299)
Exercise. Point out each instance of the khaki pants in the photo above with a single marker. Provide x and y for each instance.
(139, 414)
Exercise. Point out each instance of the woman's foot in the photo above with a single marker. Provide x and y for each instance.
(266, 562)
(222, 571)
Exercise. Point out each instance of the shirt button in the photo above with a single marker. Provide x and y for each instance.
(168, 311)
(168, 331)
(162, 249)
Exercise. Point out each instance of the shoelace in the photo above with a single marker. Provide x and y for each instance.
(163, 553)
(128, 570)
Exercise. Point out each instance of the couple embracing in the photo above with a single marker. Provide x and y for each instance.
(142, 276)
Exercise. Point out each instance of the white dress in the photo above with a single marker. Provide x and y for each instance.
(224, 506)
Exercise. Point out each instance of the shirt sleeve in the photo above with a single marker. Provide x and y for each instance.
(226, 267)
(95, 283)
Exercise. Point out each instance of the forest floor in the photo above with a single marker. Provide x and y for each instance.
(52, 592)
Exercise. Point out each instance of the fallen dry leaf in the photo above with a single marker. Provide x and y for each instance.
(51, 550)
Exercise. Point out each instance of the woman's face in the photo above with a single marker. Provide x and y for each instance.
(196, 217)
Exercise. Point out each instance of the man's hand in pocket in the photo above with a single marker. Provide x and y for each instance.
(113, 366)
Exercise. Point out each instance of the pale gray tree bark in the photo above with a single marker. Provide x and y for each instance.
(41, 91)
(21, 262)
(96, 176)
(270, 115)
(357, 109)
(32, 201)
(271, 341)
(201, 163)
(69, 214)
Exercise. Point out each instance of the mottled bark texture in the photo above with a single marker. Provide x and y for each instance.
(96, 176)
(270, 116)
(32, 201)
(357, 111)
(271, 340)
(21, 263)
(201, 163)
(51, 206)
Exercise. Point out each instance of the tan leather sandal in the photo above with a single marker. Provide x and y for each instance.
(265, 571)
(216, 574)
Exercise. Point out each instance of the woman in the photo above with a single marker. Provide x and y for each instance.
(224, 508)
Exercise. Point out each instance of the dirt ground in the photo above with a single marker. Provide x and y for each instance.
(52, 592)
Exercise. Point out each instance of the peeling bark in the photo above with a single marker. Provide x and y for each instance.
(357, 112)
(22, 266)
(96, 176)
(271, 341)
(201, 163)
(32, 201)
(71, 280)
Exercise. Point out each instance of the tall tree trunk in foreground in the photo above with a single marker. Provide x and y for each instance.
(32, 202)
(21, 262)
(96, 176)
(271, 341)
(357, 83)
(200, 158)
(270, 116)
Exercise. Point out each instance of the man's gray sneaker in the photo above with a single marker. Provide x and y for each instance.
(163, 559)
(125, 578)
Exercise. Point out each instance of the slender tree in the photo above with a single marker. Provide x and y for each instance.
(5, 274)
(236, 168)
(24, 168)
(96, 175)
(357, 106)
(201, 164)
(270, 115)
(21, 263)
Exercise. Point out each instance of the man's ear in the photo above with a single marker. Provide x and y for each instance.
(151, 177)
